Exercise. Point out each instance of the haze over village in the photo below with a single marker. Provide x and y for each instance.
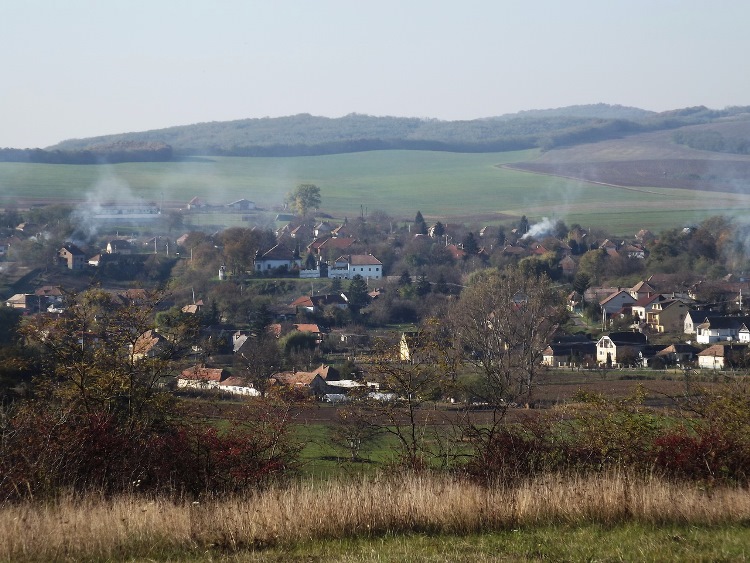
(423, 281)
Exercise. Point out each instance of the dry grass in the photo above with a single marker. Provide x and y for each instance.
(126, 527)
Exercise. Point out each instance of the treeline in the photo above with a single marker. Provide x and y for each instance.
(712, 141)
(307, 135)
(111, 153)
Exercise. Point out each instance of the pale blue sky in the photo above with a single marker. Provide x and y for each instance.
(79, 68)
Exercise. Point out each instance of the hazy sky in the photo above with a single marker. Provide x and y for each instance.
(79, 68)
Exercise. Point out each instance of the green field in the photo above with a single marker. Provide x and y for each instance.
(471, 188)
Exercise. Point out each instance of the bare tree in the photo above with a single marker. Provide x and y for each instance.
(404, 406)
(503, 322)
(259, 358)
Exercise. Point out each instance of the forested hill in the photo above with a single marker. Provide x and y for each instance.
(305, 134)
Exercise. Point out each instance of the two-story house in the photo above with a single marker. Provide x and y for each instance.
(348, 266)
(615, 347)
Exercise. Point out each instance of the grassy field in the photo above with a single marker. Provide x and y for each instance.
(607, 517)
(472, 188)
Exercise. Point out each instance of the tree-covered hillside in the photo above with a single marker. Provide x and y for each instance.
(308, 135)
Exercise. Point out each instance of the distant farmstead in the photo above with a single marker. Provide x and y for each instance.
(242, 205)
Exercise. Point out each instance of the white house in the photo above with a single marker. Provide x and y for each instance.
(694, 318)
(613, 348)
(720, 356)
(348, 266)
(720, 329)
(278, 257)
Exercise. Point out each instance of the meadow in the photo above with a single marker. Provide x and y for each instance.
(471, 188)
(612, 516)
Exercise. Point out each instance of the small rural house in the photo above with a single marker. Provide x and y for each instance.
(201, 377)
(238, 386)
(242, 205)
(695, 318)
(316, 303)
(720, 329)
(564, 354)
(721, 356)
(72, 256)
(615, 302)
(667, 316)
(277, 257)
(615, 347)
(679, 354)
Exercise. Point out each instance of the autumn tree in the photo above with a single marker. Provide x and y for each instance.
(304, 198)
(102, 354)
(241, 245)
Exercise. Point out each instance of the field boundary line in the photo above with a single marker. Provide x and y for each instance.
(584, 180)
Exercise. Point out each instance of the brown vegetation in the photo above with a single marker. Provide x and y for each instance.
(134, 526)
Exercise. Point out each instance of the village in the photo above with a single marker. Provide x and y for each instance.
(378, 280)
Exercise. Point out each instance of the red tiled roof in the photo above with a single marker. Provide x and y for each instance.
(199, 373)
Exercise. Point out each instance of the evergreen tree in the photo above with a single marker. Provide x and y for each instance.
(523, 225)
(500, 236)
(310, 262)
(357, 294)
(423, 285)
(439, 229)
(419, 224)
(470, 243)
(336, 286)
(404, 279)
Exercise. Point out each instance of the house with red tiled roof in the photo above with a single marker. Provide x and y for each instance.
(295, 379)
(332, 245)
(456, 252)
(148, 345)
(642, 289)
(348, 266)
(644, 305)
(315, 303)
(513, 250)
(312, 328)
(201, 377)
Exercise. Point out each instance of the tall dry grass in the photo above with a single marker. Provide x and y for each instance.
(131, 526)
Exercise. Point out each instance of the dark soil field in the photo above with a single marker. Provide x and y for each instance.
(555, 389)
(709, 175)
(652, 160)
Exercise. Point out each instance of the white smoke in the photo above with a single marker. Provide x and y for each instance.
(541, 229)
(108, 190)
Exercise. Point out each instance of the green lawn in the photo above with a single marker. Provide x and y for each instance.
(322, 459)
(471, 188)
(592, 542)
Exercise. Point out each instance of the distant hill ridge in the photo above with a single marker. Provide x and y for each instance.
(305, 134)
